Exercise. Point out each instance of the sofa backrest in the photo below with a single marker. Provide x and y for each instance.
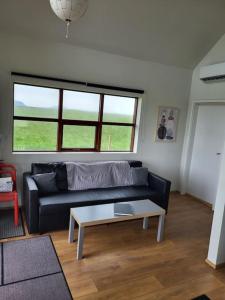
(47, 167)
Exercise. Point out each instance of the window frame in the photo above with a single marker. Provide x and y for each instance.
(61, 122)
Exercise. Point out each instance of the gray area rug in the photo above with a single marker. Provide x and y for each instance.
(36, 258)
(7, 226)
(30, 269)
(52, 287)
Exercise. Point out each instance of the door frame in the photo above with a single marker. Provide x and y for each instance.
(214, 257)
(189, 139)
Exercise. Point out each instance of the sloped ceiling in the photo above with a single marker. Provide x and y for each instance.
(173, 32)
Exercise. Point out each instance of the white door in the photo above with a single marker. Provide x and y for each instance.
(206, 156)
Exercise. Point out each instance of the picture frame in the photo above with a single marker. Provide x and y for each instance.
(167, 122)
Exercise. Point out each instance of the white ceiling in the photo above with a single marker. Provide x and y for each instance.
(174, 32)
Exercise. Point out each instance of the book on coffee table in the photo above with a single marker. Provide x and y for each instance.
(123, 209)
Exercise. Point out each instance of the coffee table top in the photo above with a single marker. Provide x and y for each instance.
(104, 213)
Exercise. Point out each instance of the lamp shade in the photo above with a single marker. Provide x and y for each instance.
(69, 10)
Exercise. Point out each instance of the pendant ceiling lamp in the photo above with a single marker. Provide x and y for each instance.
(69, 10)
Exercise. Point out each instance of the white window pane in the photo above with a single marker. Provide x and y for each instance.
(34, 101)
(80, 106)
(118, 109)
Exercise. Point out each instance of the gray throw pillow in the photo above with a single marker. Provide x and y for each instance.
(139, 176)
(58, 167)
(46, 183)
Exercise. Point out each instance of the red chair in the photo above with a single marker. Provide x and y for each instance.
(8, 169)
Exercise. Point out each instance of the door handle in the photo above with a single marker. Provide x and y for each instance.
(218, 153)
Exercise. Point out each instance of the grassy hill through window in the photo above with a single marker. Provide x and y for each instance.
(42, 136)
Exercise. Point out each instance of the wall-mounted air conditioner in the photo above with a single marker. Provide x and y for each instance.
(212, 72)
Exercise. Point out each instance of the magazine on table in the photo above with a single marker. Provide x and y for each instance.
(123, 209)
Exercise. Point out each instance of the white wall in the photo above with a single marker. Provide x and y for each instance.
(208, 93)
(213, 91)
(164, 85)
(201, 92)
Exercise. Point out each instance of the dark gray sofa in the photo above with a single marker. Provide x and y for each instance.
(51, 212)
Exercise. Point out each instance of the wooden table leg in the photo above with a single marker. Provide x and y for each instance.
(146, 223)
(160, 233)
(71, 229)
(16, 209)
(80, 243)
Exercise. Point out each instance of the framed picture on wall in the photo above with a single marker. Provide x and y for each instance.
(167, 124)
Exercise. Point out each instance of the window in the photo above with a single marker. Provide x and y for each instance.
(53, 119)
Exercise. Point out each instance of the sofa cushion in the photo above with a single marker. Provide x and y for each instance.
(62, 202)
(139, 176)
(61, 177)
(59, 168)
(46, 183)
(42, 168)
(135, 163)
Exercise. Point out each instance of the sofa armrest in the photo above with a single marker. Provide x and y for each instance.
(162, 186)
(31, 203)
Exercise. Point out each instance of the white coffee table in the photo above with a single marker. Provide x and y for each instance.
(104, 213)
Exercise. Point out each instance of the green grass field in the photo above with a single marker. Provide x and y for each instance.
(42, 136)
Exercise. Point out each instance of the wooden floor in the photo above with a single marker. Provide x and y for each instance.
(122, 261)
